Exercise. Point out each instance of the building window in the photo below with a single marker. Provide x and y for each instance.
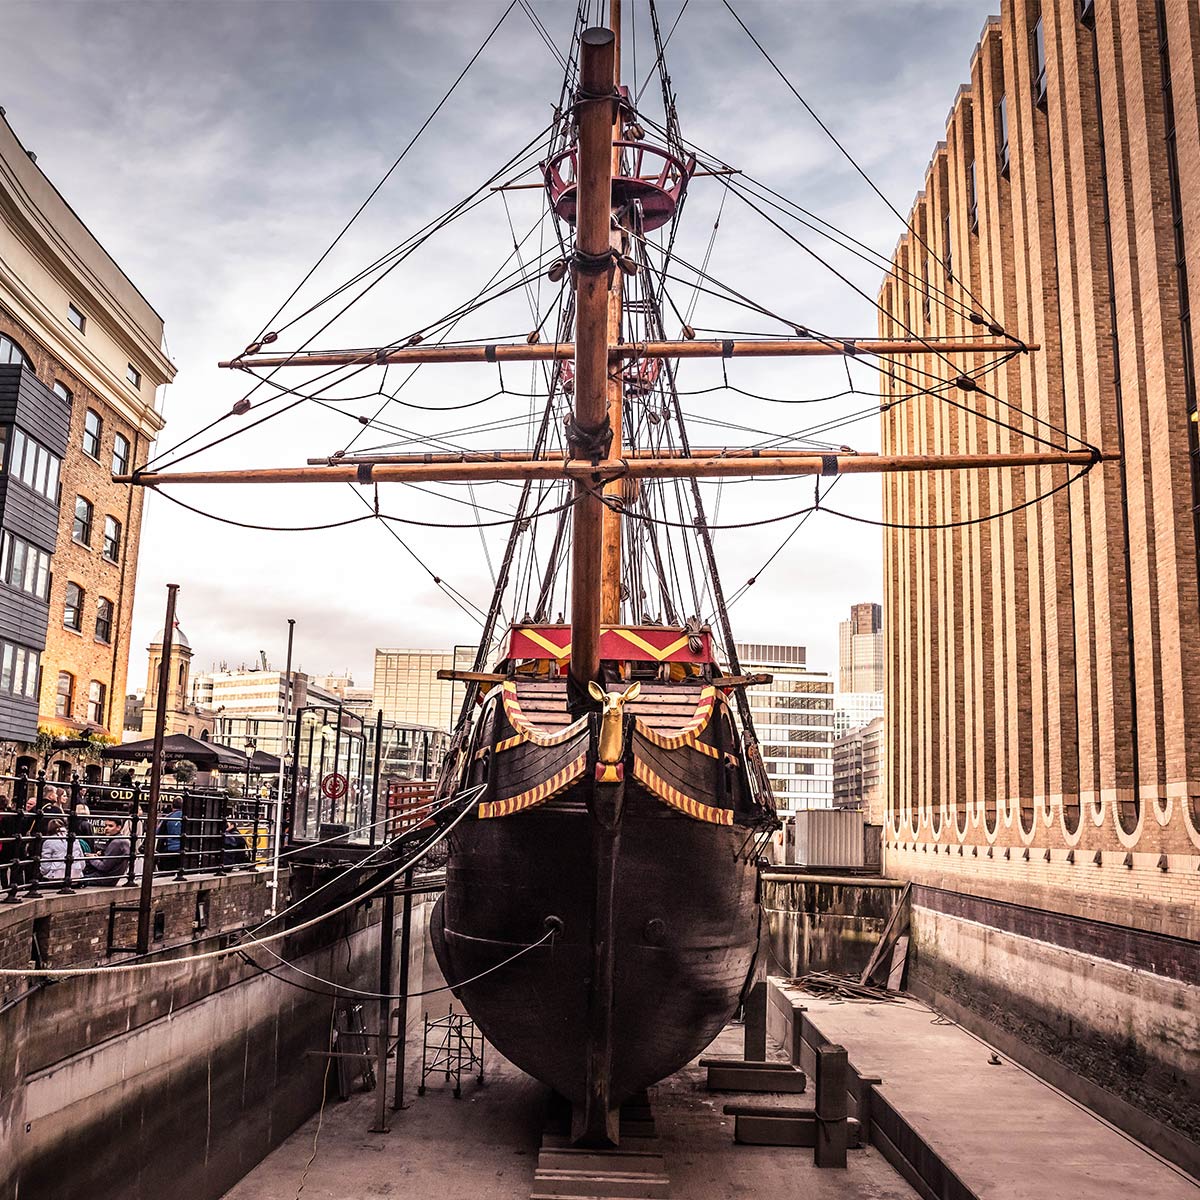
(73, 607)
(1002, 135)
(61, 390)
(95, 710)
(19, 668)
(81, 531)
(64, 695)
(93, 427)
(112, 539)
(34, 465)
(1039, 64)
(120, 463)
(972, 199)
(104, 620)
(948, 256)
(76, 318)
(1087, 13)
(25, 566)
(133, 375)
(12, 355)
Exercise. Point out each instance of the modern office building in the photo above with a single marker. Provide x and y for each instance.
(408, 691)
(793, 718)
(81, 364)
(853, 710)
(860, 650)
(858, 771)
(1043, 701)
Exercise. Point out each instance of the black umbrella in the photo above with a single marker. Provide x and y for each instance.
(208, 756)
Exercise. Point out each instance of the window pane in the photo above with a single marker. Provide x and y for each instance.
(120, 463)
(92, 428)
(62, 391)
(6, 667)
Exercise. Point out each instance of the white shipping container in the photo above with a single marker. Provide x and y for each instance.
(828, 837)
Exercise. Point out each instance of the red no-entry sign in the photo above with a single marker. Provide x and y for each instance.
(334, 786)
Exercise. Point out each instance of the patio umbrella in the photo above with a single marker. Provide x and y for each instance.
(208, 756)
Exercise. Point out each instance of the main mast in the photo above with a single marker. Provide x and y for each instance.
(610, 561)
(591, 434)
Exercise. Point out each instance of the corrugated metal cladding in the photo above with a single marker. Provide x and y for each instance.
(28, 405)
(828, 837)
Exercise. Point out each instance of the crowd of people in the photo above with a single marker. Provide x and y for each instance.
(40, 842)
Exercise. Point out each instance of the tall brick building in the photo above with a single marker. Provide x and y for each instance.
(76, 333)
(1043, 715)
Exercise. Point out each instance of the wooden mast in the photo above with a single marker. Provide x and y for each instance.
(706, 464)
(589, 436)
(610, 554)
(807, 346)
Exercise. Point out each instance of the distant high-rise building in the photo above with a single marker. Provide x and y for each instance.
(853, 710)
(858, 771)
(860, 650)
(407, 688)
(793, 717)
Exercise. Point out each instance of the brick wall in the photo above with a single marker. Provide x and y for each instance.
(1043, 701)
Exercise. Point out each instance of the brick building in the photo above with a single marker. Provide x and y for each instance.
(1043, 716)
(77, 330)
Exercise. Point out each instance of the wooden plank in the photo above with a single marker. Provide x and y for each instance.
(756, 1077)
(787, 1130)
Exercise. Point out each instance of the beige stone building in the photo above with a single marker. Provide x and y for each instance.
(1043, 701)
(860, 649)
(84, 330)
(408, 691)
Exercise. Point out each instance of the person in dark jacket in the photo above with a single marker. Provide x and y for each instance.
(237, 849)
(110, 865)
(169, 840)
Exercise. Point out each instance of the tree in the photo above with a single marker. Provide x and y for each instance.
(184, 771)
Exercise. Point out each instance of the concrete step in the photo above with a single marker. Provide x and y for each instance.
(612, 1185)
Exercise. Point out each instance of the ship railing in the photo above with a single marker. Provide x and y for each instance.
(53, 837)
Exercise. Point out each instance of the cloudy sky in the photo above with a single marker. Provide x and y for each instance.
(216, 146)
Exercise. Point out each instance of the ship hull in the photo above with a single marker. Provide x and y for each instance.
(686, 930)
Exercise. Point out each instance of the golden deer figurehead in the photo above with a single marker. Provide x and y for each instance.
(608, 755)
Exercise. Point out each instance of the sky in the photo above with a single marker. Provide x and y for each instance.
(216, 147)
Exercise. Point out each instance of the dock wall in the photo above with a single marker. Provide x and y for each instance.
(1105, 1012)
(176, 1081)
(820, 922)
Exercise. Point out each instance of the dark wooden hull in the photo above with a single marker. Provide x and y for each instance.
(687, 929)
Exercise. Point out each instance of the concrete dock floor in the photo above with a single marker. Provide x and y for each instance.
(485, 1146)
(1005, 1133)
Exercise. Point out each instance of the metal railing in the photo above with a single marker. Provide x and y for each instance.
(62, 836)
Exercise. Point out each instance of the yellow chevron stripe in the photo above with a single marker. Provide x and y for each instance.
(686, 735)
(652, 650)
(506, 744)
(522, 724)
(677, 799)
(536, 795)
(547, 644)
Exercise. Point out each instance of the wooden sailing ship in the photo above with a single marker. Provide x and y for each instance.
(624, 802)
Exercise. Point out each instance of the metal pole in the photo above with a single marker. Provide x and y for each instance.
(160, 729)
(375, 774)
(283, 744)
(337, 751)
(405, 948)
(387, 934)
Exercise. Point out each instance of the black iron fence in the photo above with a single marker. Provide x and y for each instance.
(59, 837)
